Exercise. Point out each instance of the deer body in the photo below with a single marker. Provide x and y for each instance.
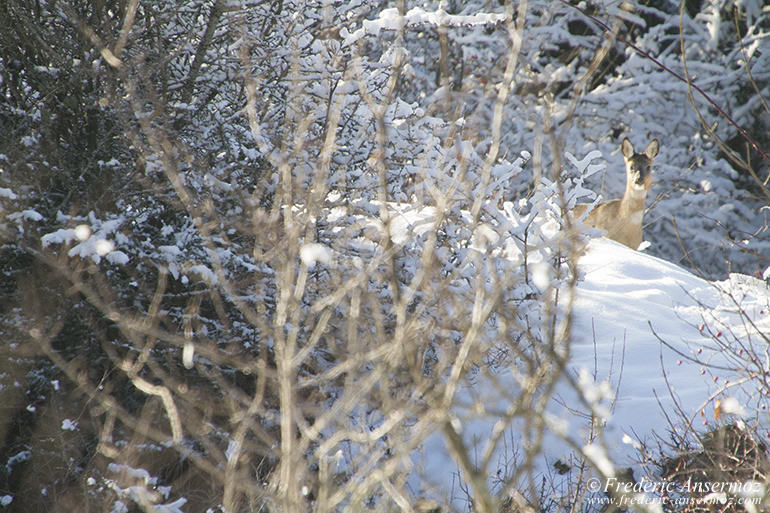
(622, 218)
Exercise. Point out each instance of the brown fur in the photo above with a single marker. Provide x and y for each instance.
(622, 218)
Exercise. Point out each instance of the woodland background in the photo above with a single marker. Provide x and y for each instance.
(206, 300)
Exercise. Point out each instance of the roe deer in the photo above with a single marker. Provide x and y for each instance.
(622, 218)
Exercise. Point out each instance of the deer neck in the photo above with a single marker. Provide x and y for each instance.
(633, 203)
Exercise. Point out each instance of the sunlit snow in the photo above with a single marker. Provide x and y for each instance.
(642, 328)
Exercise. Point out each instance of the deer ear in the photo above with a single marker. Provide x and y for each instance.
(626, 148)
(652, 149)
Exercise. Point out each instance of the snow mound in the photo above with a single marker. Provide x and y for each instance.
(647, 338)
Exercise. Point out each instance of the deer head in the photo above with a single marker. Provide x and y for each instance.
(638, 165)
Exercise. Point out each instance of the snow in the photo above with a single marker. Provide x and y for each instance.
(18, 458)
(63, 236)
(204, 272)
(93, 241)
(143, 490)
(27, 214)
(389, 19)
(643, 346)
(69, 425)
(93, 248)
(649, 313)
(170, 251)
(117, 258)
(232, 450)
(312, 253)
(7, 193)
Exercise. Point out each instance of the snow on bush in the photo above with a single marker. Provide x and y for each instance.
(328, 244)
